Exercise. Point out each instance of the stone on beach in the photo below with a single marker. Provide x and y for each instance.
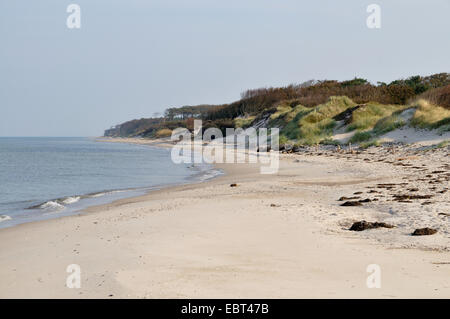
(350, 203)
(363, 225)
(424, 232)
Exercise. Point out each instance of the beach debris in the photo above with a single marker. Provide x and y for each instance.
(407, 158)
(233, 185)
(285, 148)
(348, 198)
(351, 203)
(264, 149)
(363, 225)
(350, 148)
(296, 149)
(274, 205)
(424, 232)
(347, 115)
(367, 200)
(405, 197)
(443, 214)
(386, 185)
(357, 193)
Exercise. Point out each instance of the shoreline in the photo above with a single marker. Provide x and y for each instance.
(74, 204)
(272, 236)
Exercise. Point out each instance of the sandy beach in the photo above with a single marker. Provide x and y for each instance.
(273, 236)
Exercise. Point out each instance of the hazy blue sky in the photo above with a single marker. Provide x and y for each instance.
(132, 58)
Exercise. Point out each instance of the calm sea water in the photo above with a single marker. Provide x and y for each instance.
(42, 178)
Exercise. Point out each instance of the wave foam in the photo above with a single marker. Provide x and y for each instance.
(4, 218)
(207, 175)
(71, 200)
(94, 195)
(52, 205)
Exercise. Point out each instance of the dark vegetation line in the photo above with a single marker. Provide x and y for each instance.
(263, 102)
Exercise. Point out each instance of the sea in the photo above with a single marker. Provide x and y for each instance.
(50, 177)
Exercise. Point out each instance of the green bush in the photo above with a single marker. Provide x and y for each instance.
(361, 137)
(369, 144)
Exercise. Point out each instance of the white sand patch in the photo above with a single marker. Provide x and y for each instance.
(410, 135)
(340, 134)
(343, 137)
(407, 114)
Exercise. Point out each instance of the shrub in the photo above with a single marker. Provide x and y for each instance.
(283, 140)
(329, 141)
(439, 96)
(369, 144)
(361, 137)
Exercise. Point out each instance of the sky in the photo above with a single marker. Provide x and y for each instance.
(133, 58)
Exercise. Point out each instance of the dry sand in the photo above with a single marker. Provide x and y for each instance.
(272, 236)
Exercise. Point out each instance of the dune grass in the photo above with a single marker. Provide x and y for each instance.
(310, 126)
(369, 115)
(382, 126)
(424, 116)
(290, 120)
(243, 122)
(388, 124)
(282, 110)
(443, 144)
(165, 132)
(429, 116)
(318, 124)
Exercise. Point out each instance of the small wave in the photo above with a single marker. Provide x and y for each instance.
(60, 203)
(52, 206)
(207, 175)
(71, 200)
(4, 218)
(99, 194)
(93, 195)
